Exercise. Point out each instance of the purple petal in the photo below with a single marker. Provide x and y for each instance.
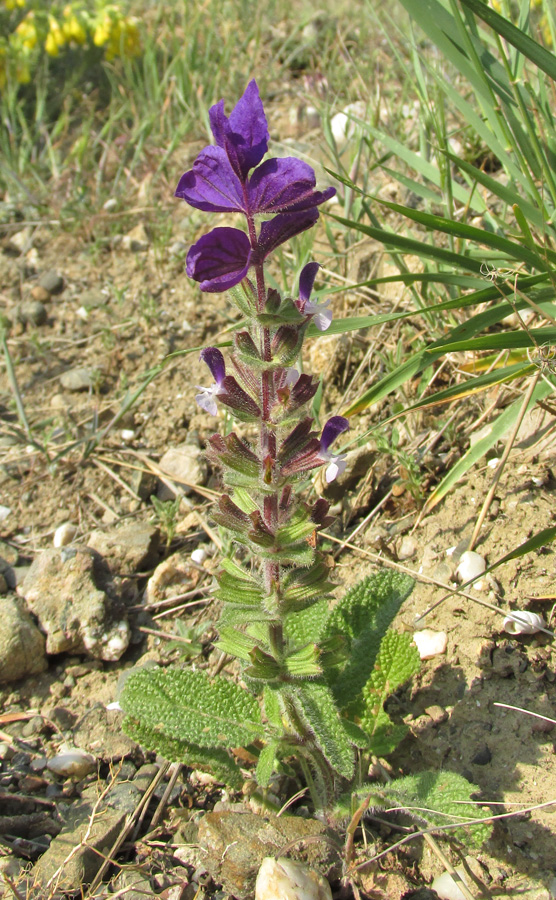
(211, 185)
(220, 259)
(307, 280)
(244, 136)
(333, 428)
(283, 227)
(212, 356)
(284, 185)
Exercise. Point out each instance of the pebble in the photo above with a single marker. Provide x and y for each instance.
(93, 299)
(530, 623)
(81, 378)
(471, 566)
(447, 888)
(4, 512)
(22, 646)
(52, 282)
(136, 240)
(199, 555)
(72, 764)
(39, 293)
(128, 548)
(290, 880)
(64, 534)
(430, 643)
(407, 548)
(186, 466)
(33, 312)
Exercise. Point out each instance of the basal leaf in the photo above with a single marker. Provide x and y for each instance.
(320, 715)
(187, 706)
(363, 617)
(214, 760)
(440, 798)
(398, 659)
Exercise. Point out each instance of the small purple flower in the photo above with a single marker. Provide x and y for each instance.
(321, 315)
(336, 463)
(206, 399)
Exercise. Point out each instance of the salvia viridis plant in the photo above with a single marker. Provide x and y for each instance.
(315, 674)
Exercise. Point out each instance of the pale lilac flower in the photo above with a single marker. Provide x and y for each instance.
(336, 462)
(321, 315)
(206, 398)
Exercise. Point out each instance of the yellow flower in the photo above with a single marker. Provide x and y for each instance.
(27, 31)
(50, 45)
(73, 30)
(13, 4)
(496, 5)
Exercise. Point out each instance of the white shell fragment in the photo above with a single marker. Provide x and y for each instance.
(430, 643)
(447, 887)
(529, 623)
(72, 764)
(64, 534)
(290, 880)
(199, 555)
(471, 566)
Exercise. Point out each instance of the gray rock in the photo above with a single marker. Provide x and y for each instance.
(236, 844)
(128, 549)
(52, 282)
(186, 466)
(82, 378)
(71, 861)
(137, 240)
(74, 763)
(93, 299)
(22, 646)
(9, 556)
(33, 312)
(99, 732)
(72, 595)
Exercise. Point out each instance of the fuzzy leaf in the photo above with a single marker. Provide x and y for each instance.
(321, 716)
(232, 589)
(272, 708)
(189, 707)
(265, 765)
(363, 617)
(439, 798)
(213, 760)
(306, 624)
(398, 659)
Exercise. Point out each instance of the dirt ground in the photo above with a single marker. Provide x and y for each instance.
(120, 312)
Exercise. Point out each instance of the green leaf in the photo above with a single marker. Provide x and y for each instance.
(189, 707)
(398, 659)
(304, 663)
(266, 763)
(307, 624)
(363, 617)
(272, 709)
(236, 643)
(320, 715)
(439, 798)
(215, 760)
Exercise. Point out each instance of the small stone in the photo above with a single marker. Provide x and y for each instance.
(99, 731)
(22, 646)
(9, 555)
(407, 547)
(21, 241)
(93, 299)
(82, 378)
(482, 756)
(71, 592)
(129, 548)
(65, 534)
(471, 566)
(63, 718)
(437, 714)
(110, 204)
(430, 643)
(33, 312)
(136, 240)
(290, 880)
(4, 512)
(186, 466)
(40, 294)
(52, 282)
(447, 888)
(72, 764)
